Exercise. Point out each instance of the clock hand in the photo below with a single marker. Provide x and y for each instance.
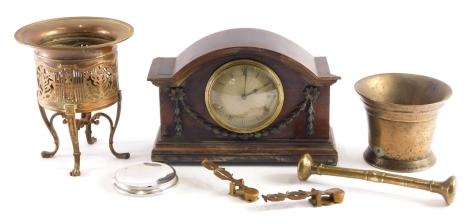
(244, 90)
(256, 90)
(244, 70)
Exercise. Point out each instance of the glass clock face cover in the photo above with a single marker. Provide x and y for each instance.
(244, 96)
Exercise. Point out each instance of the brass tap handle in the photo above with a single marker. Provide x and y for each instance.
(447, 188)
(317, 198)
(237, 188)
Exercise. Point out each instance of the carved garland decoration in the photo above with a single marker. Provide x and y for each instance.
(310, 96)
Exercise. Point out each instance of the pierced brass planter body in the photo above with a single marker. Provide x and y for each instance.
(77, 72)
(401, 111)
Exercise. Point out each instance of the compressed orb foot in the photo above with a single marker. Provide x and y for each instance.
(91, 140)
(75, 172)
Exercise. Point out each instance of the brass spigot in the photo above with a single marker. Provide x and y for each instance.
(447, 188)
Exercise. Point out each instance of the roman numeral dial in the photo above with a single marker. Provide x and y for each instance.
(244, 96)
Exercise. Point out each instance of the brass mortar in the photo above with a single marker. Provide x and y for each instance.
(401, 111)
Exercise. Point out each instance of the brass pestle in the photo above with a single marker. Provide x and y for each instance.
(447, 188)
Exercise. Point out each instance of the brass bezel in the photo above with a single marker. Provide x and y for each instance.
(271, 74)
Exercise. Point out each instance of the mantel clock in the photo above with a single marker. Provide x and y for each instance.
(243, 95)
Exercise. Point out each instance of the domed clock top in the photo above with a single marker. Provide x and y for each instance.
(229, 42)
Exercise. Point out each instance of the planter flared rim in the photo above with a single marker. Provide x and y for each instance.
(30, 34)
(450, 92)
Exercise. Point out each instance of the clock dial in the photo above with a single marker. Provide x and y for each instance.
(244, 96)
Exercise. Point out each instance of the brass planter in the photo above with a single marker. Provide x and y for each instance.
(77, 72)
(401, 111)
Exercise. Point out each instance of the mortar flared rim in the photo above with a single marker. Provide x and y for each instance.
(403, 90)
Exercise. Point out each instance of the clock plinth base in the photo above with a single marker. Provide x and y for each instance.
(278, 151)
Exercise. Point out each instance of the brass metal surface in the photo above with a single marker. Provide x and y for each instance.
(402, 110)
(74, 33)
(237, 188)
(77, 72)
(317, 198)
(447, 188)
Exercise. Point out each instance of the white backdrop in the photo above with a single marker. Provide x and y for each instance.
(359, 39)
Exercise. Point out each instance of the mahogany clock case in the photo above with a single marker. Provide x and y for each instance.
(188, 133)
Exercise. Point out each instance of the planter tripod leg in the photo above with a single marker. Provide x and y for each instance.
(124, 155)
(73, 130)
(94, 120)
(89, 138)
(50, 127)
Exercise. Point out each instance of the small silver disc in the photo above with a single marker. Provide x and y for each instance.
(145, 179)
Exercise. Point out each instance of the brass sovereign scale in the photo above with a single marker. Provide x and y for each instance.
(237, 187)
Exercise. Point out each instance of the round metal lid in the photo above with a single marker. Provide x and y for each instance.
(145, 179)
